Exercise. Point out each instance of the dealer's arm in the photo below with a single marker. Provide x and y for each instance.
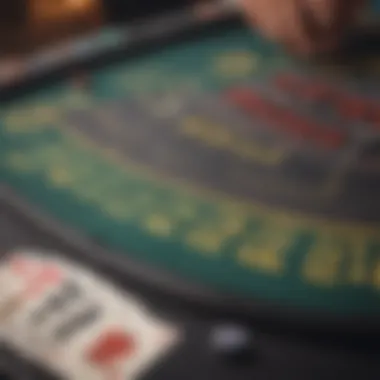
(304, 26)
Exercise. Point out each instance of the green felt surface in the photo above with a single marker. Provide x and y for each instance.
(245, 248)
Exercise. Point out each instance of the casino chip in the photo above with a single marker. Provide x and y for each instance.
(232, 342)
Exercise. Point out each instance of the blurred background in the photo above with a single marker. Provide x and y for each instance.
(28, 24)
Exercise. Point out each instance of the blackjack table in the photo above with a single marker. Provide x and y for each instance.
(232, 188)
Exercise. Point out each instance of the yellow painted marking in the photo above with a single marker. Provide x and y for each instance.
(205, 240)
(323, 263)
(233, 226)
(193, 126)
(159, 225)
(83, 179)
(61, 176)
(119, 206)
(264, 258)
(32, 118)
(237, 64)
(212, 234)
(220, 137)
(265, 250)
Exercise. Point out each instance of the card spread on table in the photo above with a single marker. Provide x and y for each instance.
(73, 322)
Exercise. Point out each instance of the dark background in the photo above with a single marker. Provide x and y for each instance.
(16, 11)
(28, 24)
(120, 10)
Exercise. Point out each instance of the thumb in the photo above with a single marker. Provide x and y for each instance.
(335, 15)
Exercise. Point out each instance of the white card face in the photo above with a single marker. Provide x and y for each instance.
(75, 323)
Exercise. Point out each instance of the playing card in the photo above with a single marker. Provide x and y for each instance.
(73, 322)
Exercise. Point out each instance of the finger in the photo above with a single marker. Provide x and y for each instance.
(261, 15)
(279, 20)
(330, 19)
(352, 12)
(319, 17)
(332, 16)
(324, 12)
(296, 34)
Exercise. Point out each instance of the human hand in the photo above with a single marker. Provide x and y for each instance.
(303, 26)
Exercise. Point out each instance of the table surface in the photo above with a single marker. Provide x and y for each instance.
(217, 165)
(220, 161)
(272, 356)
